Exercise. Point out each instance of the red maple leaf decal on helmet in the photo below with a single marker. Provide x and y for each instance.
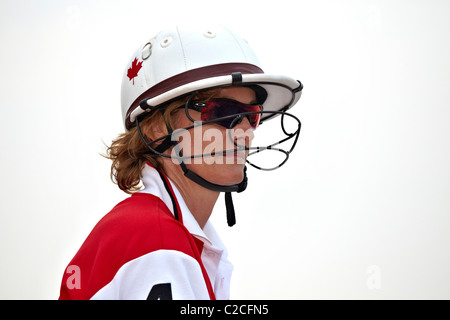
(133, 71)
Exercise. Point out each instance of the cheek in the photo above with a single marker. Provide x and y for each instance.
(180, 119)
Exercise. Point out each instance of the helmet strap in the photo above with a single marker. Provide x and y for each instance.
(231, 216)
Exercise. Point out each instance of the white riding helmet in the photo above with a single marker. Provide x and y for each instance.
(181, 60)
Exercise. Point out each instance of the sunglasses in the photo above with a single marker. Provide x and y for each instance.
(225, 109)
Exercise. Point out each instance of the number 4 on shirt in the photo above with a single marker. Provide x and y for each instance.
(162, 291)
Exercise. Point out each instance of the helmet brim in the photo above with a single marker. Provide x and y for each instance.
(282, 92)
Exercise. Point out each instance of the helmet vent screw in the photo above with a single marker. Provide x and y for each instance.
(209, 34)
(166, 42)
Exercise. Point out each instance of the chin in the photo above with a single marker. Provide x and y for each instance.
(227, 175)
(224, 174)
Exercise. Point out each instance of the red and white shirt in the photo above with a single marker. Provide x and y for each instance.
(140, 251)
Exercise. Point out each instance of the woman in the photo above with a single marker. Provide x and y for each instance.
(191, 100)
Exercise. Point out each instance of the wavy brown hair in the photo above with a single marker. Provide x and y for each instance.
(128, 152)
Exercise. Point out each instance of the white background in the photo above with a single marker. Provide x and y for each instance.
(360, 211)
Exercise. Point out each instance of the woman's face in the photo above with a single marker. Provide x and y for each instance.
(222, 169)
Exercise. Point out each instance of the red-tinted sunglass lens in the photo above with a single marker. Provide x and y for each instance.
(215, 109)
(254, 118)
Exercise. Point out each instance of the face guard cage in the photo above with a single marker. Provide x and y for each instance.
(284, 143)
(160, 145)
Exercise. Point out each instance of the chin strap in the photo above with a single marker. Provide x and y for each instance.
(231, 216)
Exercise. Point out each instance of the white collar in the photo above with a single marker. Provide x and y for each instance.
(153, 185)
